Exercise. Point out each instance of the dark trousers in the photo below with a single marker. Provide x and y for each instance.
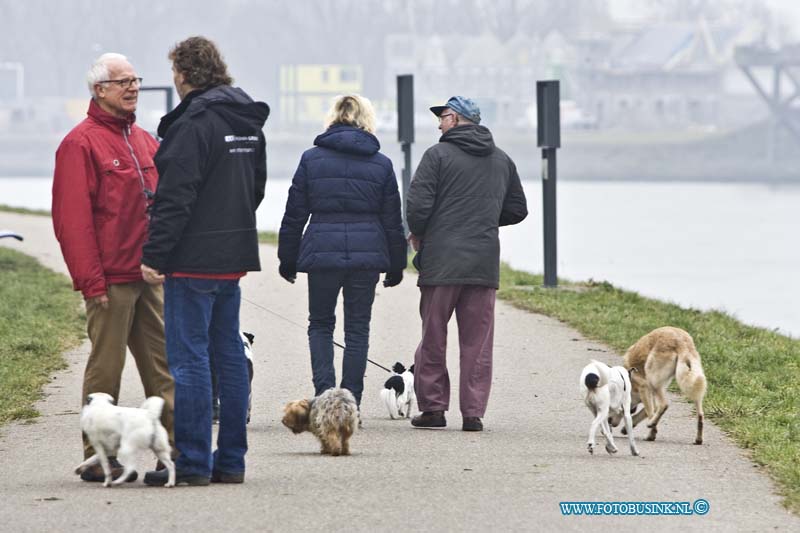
(474, 308)
(200, 316)
(358, 288)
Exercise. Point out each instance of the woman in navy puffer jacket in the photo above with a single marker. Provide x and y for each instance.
(356, 232)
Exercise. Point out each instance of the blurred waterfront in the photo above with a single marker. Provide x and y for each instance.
(710, 245)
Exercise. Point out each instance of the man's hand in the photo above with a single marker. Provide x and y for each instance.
(101, 300)
(152, 276)
(414, 241)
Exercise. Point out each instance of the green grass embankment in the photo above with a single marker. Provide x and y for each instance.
(40, 318)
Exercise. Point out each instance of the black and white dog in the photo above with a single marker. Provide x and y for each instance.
(606, 391)
(398, 392)
(247, 341)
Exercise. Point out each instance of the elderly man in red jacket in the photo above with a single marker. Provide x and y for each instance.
(104, 180)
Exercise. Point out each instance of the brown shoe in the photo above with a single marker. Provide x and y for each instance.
(429, 420)
(472, 423)
(95, 472)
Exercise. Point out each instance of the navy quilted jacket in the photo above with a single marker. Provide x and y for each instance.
(350, 191)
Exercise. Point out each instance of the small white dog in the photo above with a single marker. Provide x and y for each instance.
(122, 431)
(398, 392)
(607, 393)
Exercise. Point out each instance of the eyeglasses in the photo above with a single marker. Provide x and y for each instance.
(125, 83)
(442, 117)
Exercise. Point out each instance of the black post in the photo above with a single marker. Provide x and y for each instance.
(406, 146)
(549, 139)
(405, 131)
(549, 203)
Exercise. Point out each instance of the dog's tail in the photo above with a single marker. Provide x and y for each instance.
(691, 379)
(153, 405)
(389, 399)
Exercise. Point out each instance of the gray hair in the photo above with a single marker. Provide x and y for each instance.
(99, 70)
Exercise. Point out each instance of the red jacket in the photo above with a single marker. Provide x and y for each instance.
(103, 175)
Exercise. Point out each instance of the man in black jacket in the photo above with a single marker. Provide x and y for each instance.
(463, 190)
(202, 240)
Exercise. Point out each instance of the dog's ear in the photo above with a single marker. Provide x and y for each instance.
(296, 416)
(411, 369)
(398, 368)
(288, 407)
(297, 405)
(250, 336)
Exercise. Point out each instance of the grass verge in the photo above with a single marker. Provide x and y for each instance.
(24, 210)
(268, 237)
(753, 373)
(40, 317)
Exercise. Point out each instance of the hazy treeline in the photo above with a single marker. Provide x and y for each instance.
(56, 40)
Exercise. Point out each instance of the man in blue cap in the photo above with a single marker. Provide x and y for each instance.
(463, 190)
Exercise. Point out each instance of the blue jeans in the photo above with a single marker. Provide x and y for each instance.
(202, 315)
(359, 292)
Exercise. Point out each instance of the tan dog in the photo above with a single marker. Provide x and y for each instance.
(332, 417)
(653, 361)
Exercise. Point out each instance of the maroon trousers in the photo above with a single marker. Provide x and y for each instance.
(474, 307)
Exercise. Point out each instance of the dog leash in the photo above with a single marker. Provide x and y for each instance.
(273, 313)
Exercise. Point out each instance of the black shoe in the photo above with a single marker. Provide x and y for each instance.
(472, 423)
(159, 478)
(218, 476)
(429, 420)
(95, 472)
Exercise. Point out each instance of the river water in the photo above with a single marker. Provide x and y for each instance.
(726, 246)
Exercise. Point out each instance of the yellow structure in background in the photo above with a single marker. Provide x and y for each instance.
(307, 90)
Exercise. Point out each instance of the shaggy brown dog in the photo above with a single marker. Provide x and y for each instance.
(653, 361)
(332, 417)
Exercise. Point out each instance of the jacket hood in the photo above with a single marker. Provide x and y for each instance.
(231, 103)
(472, 138)
(348, 139)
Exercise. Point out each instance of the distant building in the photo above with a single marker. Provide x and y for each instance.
(668, 74)
(500, 76)
(306, 91)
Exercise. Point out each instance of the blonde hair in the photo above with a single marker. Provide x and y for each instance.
(352, 110)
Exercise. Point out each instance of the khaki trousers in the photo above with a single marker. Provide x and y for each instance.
(134, 319)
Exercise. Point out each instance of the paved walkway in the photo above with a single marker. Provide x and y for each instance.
(510, 477)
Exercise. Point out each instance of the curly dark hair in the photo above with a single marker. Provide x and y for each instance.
(200, 62)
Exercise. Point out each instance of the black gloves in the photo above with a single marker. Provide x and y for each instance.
(288, 272)
(393, 278)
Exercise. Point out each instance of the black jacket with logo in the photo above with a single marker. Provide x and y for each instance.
(463, 189)
(212, 165)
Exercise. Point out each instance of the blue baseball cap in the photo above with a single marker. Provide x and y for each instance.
(462, 105)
